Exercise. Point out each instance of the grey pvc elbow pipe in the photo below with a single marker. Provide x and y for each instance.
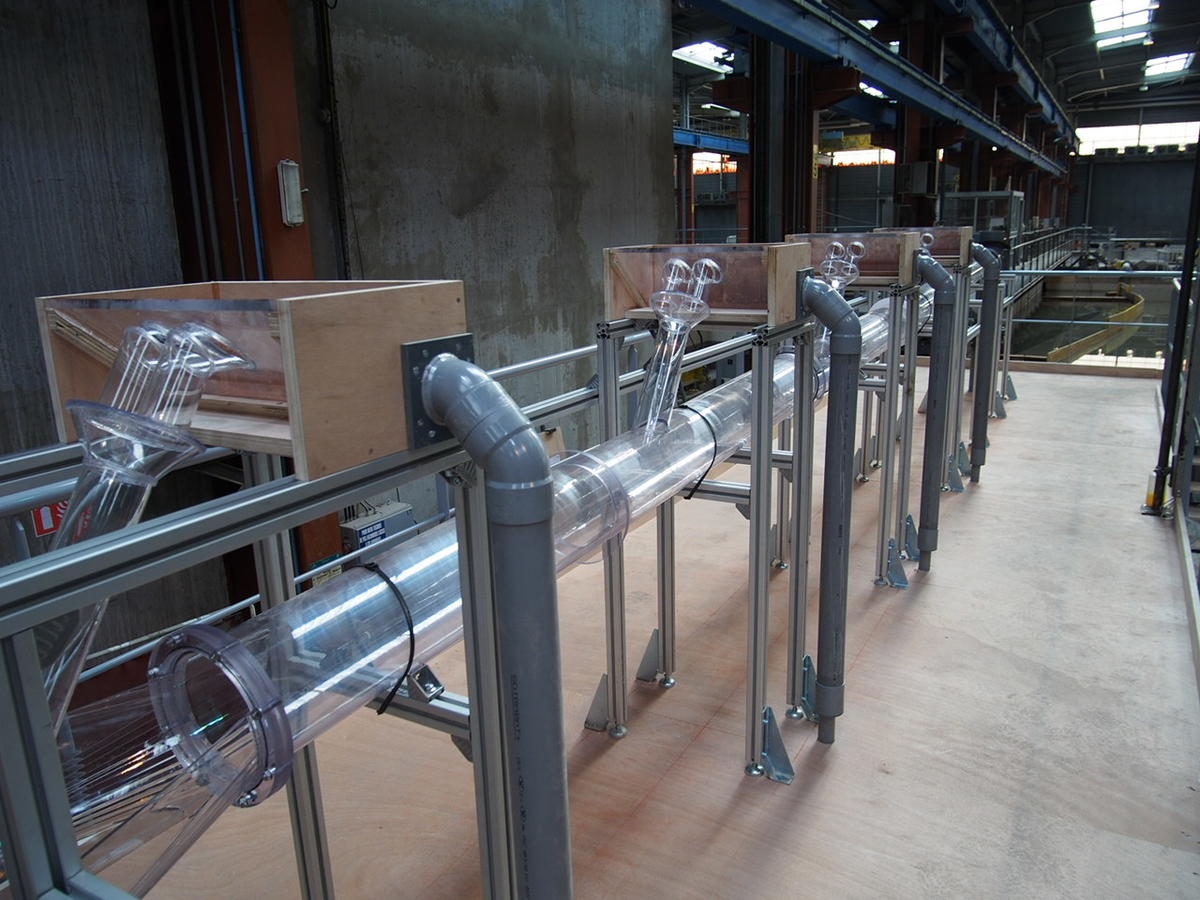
(845, 355)
(520, 506)
(985, 359)
(945, 296)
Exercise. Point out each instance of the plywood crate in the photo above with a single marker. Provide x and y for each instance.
(327, 388)
(951, 243)
(888, 259)
(758, 284)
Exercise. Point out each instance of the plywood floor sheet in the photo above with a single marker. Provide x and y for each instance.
(1023, 722)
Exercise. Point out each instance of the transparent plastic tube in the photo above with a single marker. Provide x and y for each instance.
(333, 648)
(129, 442)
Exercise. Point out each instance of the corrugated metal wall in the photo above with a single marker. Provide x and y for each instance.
(1144, 197)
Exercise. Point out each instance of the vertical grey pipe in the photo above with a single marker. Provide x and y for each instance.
(520, 504)
(945, 295)
(845, 353)
(985, 360)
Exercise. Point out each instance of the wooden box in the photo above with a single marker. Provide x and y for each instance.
(951, 243)
(758, 284)
(327, 388)
(888, 260)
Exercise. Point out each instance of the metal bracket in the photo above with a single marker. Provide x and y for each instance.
(802, 276)
(415, 356)
(648, 668)
(1000, 412)
(895, 568)
(744, 509)
(964, 461)
(954, 480)
(1010, 392)
(597, 716)
(464, 747)
(422, 684)
(860, 478)
(775, 762)
(910, 538)
(807, 708)
(462, 475)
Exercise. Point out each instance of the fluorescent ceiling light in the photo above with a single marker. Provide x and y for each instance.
(1132, 37)
(868, 23)
(1165, 65)
(1120, 15)
(706, 55)
(871, 89)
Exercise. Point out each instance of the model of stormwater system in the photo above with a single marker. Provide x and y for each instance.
(223, 713)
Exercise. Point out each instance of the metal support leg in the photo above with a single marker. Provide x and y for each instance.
(801, 673)
(765, 754)
(888, 570)
(276, 570)
(908, 378)
(492, 803)
(610, 706)
(782, 502)
(864, 452)
(659, 658)
(1006, 383)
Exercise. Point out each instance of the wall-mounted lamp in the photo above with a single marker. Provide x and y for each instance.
(291, 195)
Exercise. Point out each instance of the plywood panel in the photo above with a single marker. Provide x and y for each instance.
(889, 256)
(755, 278)
(342, 354)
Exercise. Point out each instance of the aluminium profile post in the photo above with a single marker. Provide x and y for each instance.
(761, 476)
(492, 801)
(887, 438)
(276, 570)
(800, 671)
(609, 338)
(665, 638)
(912, 301)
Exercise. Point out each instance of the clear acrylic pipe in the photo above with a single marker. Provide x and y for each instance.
(130, 440)
(333, 648)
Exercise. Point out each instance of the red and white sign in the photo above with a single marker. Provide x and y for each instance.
(46, 519)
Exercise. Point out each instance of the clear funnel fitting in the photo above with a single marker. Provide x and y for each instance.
(129, 443)
(678, 313)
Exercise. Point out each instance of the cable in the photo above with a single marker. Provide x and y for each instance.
(412, 632)
(699, 481)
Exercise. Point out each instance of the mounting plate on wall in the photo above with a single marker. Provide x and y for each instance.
(415, 356)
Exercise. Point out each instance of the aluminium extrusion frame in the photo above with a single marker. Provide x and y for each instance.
(41, 854)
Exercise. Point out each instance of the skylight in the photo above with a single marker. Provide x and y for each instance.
(707, 55)
(1165, 65)
(1120, 15)
(1131, 37)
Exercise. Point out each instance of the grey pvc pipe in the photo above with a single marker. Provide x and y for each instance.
(945, 296)
(520, 505)
(845, 355)
(985, 358)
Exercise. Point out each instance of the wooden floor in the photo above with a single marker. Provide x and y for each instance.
(1022, 722)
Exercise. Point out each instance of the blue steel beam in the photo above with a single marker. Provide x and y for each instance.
(713, 142)
(992, 38)
(815, 31)
(868, 109)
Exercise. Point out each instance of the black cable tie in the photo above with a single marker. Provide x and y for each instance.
(412, 632)
(713, 462)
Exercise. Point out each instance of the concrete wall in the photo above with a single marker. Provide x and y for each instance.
(87, 206)
(1139, 197)
(87, 202)
(504, 143)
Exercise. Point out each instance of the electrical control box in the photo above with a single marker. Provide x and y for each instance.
(379, 522)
